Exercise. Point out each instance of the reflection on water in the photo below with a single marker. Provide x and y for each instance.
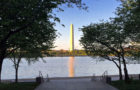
(65, 67)
(71, 66)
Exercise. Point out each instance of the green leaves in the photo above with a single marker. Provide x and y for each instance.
(128, 15)
(118, 33)
(28, 24)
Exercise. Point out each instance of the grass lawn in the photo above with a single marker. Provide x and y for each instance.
(18, 86)
(121, 85)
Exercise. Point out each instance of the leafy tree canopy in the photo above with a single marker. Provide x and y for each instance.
(128, 17)
(28, 23)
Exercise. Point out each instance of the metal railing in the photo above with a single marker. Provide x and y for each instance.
(42, 78)
(47, 78)
(93, 78)
(40, 75)
(104, 76)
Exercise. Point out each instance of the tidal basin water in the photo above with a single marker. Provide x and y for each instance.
(64, 67)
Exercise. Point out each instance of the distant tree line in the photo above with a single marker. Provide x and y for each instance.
(66, 53)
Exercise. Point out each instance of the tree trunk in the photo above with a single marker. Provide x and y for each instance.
(1, 61)
(120, 68)
(125, 70)
(118, 65)
(16, 76)
(120, 74)
(120, 71)
(124, 64)
(17, 67)
(2, 56)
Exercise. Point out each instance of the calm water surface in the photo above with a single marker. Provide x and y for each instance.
(65, 67)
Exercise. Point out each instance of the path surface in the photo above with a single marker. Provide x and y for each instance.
(74, 84)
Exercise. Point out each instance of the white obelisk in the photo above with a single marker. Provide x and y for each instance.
(71, 38)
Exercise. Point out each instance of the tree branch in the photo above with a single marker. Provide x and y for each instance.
(11, 51)
(111, 48)
(13, 32)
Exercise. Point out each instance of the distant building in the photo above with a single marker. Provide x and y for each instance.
(71, 38)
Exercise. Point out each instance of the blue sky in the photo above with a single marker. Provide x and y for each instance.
(97, 10)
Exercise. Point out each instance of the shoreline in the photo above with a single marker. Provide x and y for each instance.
(113, 77)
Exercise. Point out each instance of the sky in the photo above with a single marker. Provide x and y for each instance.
(97, 10)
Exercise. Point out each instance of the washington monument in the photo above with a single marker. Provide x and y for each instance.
(71, 38)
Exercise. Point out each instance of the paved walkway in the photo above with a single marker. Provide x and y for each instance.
(74, 84)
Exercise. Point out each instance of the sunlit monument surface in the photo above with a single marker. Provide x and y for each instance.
(71, 38)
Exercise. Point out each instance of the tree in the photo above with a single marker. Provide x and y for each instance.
(31, 21)
(104, 39)
(112, 37)
(30, 56)
(128, 18)
(24, 50)
(16, 59)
